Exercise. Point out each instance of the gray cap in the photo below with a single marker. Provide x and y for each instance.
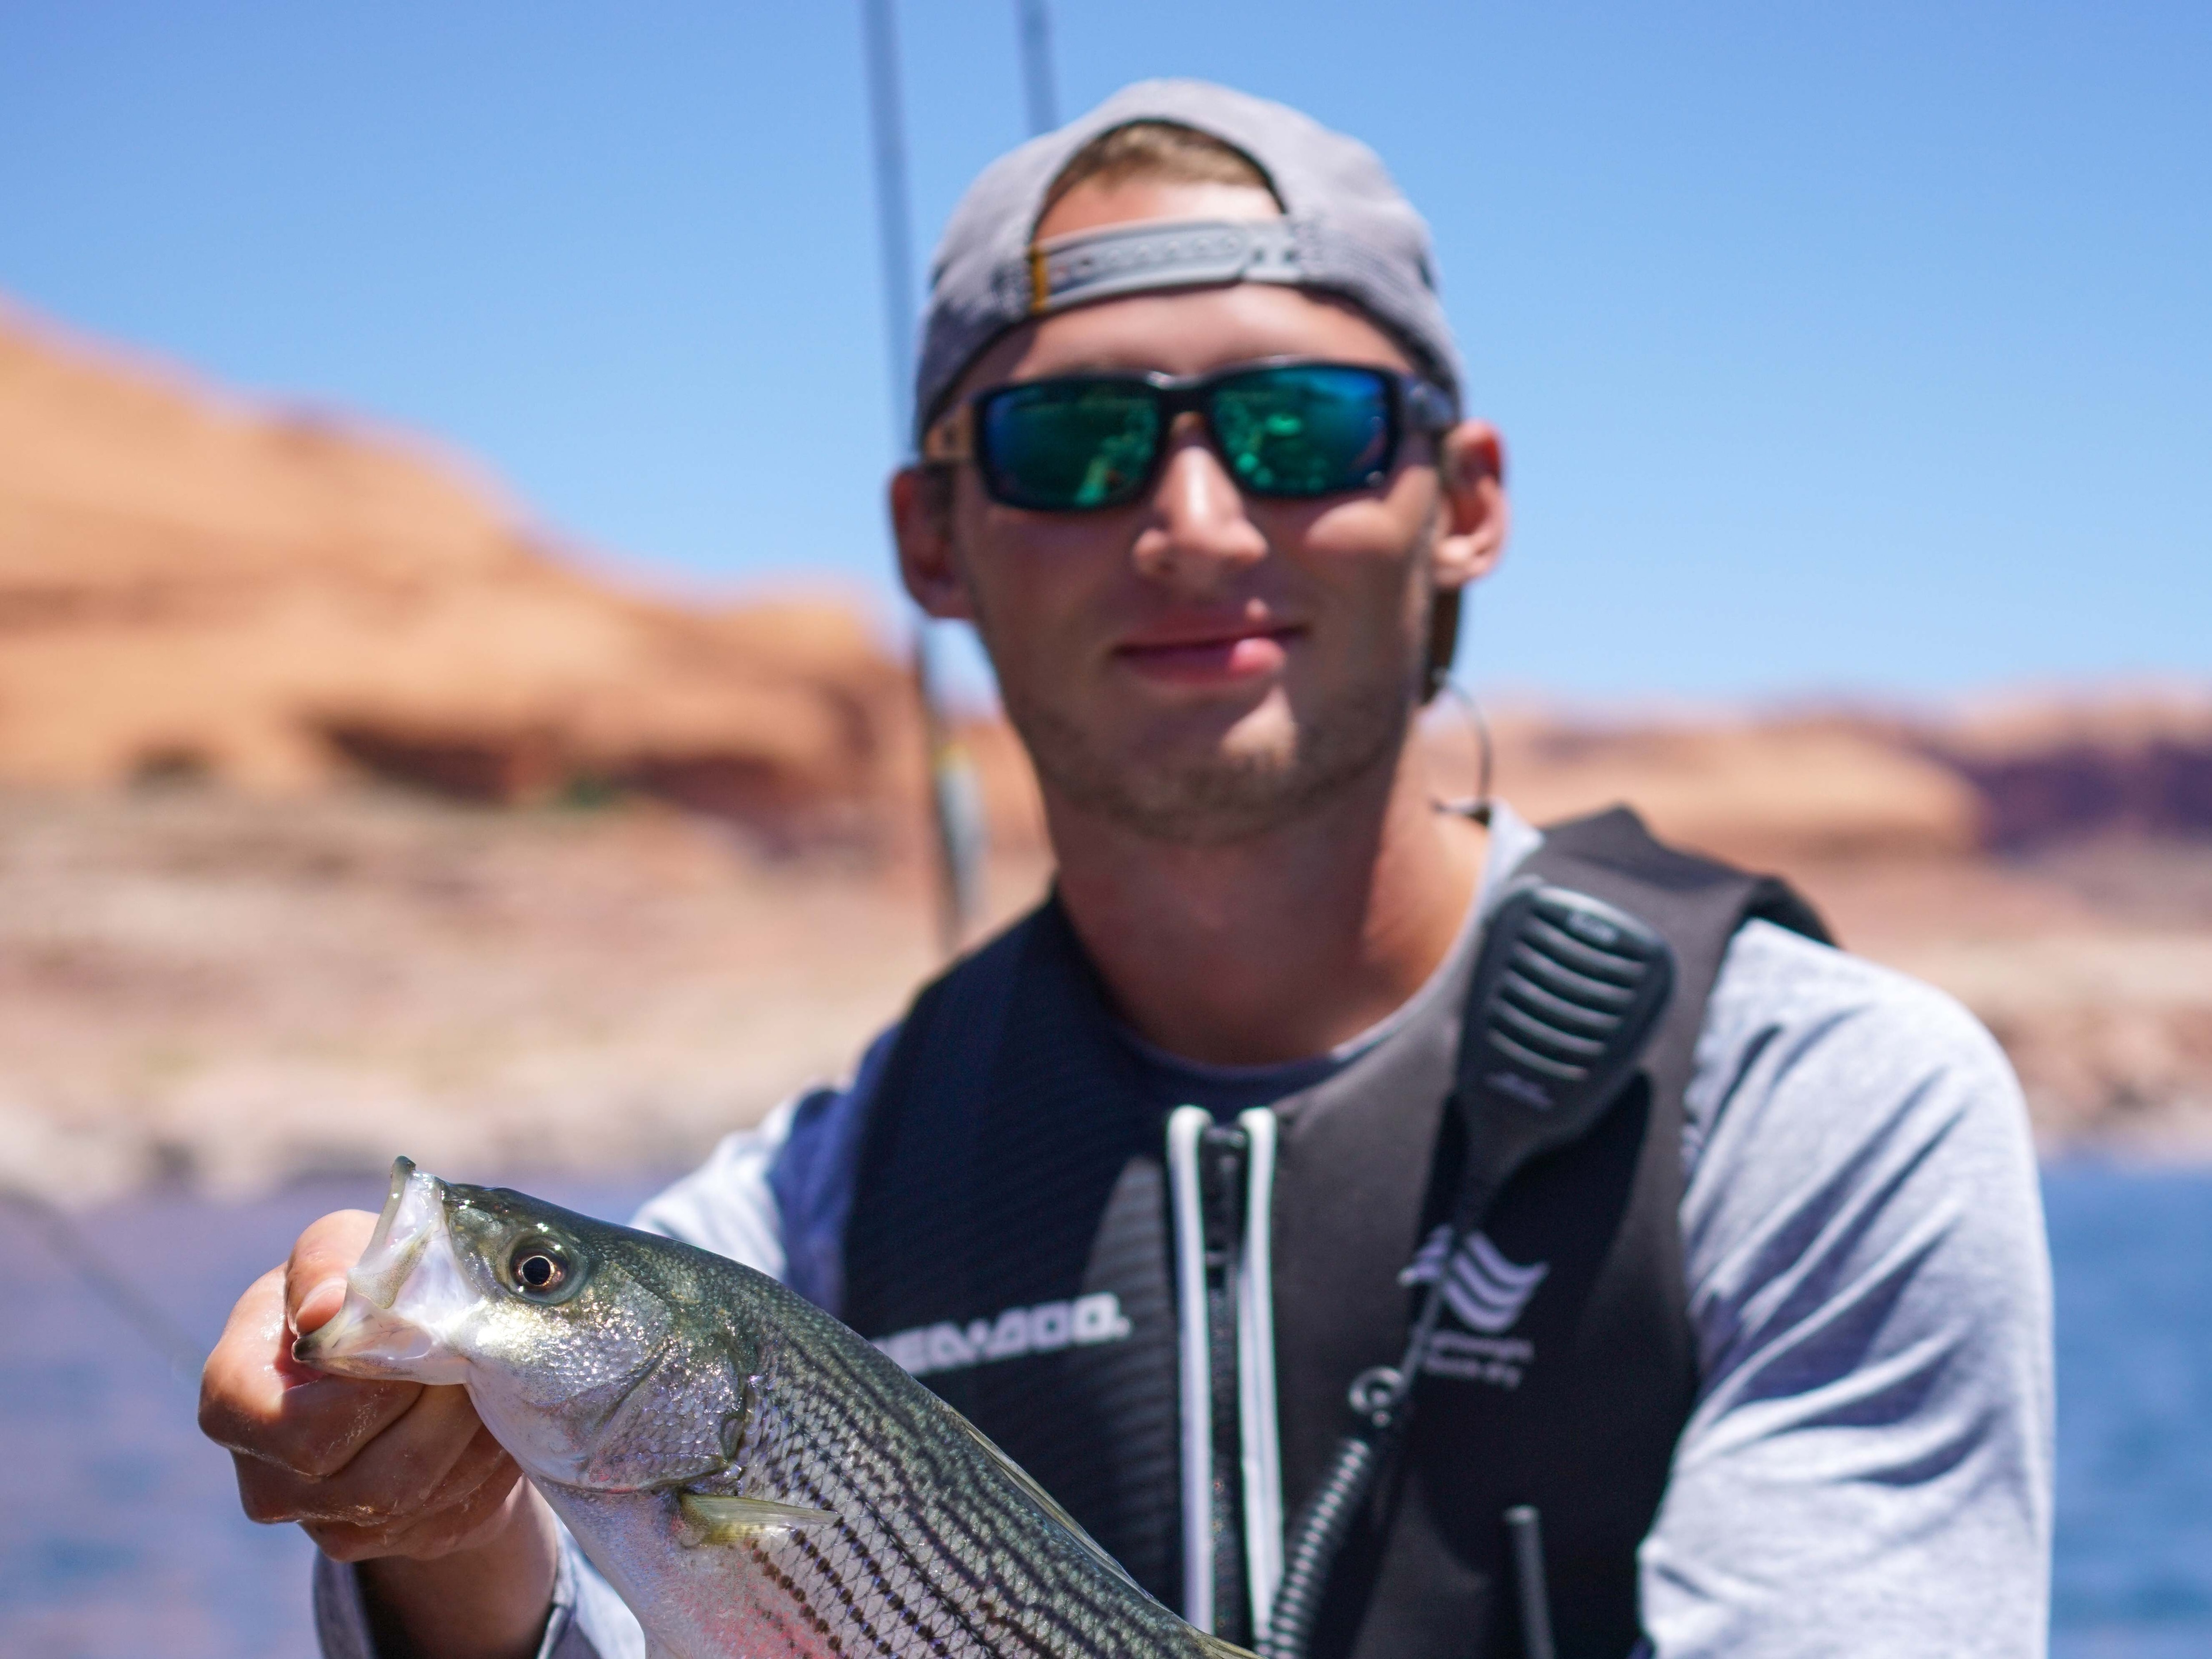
(1346, 230)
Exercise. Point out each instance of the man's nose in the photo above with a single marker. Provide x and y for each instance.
(1199, 531)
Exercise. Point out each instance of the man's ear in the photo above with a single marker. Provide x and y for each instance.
(921, 503)
(1471, 472)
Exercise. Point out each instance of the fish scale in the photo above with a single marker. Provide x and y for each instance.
(857, 1515)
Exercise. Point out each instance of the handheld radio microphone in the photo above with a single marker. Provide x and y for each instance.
(1565, 994)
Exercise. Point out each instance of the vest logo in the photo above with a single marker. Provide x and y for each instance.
(1048, 1326)
(1486, 1293)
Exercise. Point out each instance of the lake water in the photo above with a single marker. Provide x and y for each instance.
(120, 1534)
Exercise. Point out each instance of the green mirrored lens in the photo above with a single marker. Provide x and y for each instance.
(1303, 429)
(1063, 445)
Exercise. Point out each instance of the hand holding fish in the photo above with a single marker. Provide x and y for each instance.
(752, 1477)
(394, 1473)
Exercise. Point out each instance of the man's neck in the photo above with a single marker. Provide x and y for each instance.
(1278, 947)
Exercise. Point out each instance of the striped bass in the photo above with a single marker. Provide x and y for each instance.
(751, 1476)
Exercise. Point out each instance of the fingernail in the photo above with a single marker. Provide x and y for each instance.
(316, 1306)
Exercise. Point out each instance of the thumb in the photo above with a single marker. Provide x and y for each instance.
(315, 1277)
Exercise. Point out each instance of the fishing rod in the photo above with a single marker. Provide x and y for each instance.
(1033, 28)
(956, 801)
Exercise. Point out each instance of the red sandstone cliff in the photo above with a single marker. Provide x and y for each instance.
(188, 585)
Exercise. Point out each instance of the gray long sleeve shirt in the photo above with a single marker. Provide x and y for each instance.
(1867, 1468)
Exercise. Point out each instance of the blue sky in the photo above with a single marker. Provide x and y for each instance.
(1858, 350)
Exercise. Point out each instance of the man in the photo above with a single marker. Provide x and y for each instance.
(1768, 1349)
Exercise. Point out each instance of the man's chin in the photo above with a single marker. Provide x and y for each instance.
(1214, 808)
(1208, 773)
(1192, 796)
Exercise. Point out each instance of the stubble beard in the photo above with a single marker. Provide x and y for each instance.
(1225, 796)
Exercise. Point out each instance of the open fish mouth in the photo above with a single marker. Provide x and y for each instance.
(406, 1299)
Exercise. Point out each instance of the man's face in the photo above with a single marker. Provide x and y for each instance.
(1199, 666)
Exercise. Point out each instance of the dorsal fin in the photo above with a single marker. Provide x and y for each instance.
(1045, 1501)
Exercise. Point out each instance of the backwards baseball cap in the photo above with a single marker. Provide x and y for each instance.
(1346, 230)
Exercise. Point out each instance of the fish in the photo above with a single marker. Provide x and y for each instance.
(753, 1477)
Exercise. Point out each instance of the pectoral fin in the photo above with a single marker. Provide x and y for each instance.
(1214, 1648)
(732, 1520)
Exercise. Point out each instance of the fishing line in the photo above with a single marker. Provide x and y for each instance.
(66, 1242)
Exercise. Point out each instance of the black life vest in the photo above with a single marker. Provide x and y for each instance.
(1009, 1242)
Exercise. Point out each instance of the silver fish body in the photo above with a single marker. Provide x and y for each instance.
(754, 1478)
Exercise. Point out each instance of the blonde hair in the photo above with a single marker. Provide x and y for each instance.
(1165, 151)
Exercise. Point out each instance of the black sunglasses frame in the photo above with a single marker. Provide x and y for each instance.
(1411, 404)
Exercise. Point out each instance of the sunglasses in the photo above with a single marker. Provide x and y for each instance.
(1077, 443)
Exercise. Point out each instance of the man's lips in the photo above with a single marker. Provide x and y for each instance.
(1209, 654)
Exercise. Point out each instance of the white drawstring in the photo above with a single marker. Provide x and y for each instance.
(1256, 1371)
(1187, 1127)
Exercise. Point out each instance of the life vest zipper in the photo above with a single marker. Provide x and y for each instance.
(1221, 1187)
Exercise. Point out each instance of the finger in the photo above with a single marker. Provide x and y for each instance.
(314, 1278)
(256, 1402)
(463, 1512)
(471, 1520)
(268, 1493)
(437, 1448)
(433, 1454)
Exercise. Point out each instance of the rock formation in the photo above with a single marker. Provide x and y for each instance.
(190, 587)
(2053, 768)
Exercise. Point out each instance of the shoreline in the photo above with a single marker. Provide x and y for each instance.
(209, 992)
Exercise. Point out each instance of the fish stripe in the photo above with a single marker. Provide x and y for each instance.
(906, 1612)
(820, 1492)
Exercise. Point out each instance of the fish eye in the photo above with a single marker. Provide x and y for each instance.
(541, 1269)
